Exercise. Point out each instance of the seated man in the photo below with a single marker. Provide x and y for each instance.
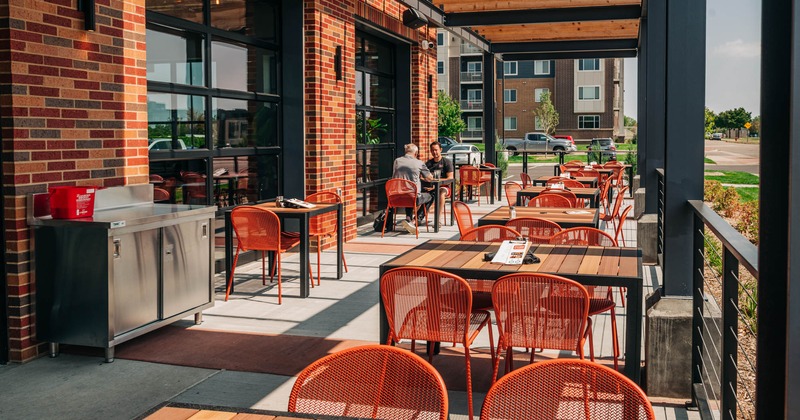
(410, 168)
(438, 165)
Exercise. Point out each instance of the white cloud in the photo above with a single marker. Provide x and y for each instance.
(739, 49)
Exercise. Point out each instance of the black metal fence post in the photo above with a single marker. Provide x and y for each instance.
(698, 301)
(730, 332)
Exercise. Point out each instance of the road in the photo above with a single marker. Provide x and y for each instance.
(732, 156)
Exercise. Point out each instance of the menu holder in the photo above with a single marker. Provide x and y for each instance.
(298, 204)
(511, 252)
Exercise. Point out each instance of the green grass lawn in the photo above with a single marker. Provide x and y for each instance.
(748, 194)
(734, 177)
(707, 160)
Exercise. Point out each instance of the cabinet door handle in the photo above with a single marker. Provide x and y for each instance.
(117, 248)
(205, 230)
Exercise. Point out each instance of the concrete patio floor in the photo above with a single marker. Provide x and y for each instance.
(72, 386)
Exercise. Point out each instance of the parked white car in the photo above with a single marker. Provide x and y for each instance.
(164, 144)
(465, 154)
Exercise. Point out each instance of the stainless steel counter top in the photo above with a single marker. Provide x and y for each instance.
(130, 216)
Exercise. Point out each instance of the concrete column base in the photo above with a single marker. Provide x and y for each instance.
(668, 348)
(647, 236)
(638, 202)
(636, 182)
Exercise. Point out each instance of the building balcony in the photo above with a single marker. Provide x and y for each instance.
(472, 134)
(469, 49)
(471, 76)
(471, 105)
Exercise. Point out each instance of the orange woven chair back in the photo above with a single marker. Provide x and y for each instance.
(490, 233)
(463, 216)
(195, 185)
(256, 228)
(540, 311)
(470, 176)
(160, 194)
(622, 217)
(511, 188)
(401, 193)
(549, 200)
(323, 224)
(426, 304)
(156, 178)
(618, 200)
(569, 183)
(583, 236)
(566, 388)
(373, 381)
(569, 195)
(538, 231)
(526, 180)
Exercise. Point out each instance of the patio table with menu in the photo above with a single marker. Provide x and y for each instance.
(588, 265)
(566, 217)
(593, 194)
(303, 216)
(585, 180)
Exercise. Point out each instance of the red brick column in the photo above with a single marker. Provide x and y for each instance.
(74, 107)
(330, 103)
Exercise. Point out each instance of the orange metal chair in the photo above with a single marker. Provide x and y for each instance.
(512, 188)
(614, 213)
(569, 183)
(435, 306)
(526, 180)
(160, 194)
(537, 231)
(259, 229)
(401, 193)
(569, 389)
(602, 297)
(549, 200)
(490, 233)
(323, 226)
(620, 234)
(463, 217)
(540, 311)
(443, 201)
(470, 178)
(372, 381)
(569, 195)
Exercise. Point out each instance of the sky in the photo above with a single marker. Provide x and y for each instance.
(733, 58)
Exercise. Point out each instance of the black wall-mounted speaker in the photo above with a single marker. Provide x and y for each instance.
(414, 19)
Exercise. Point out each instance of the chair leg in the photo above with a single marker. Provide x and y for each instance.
(233, 269)
(319, 257)
(469, 381)
(385, 218)
(615, 337)
(496, 364)
(264, 271)
(280, 282)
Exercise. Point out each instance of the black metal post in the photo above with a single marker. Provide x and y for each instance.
(683, 157)
(292, 181)
(698, 302)
(777, 365)
(730, 333)
(489, 105)
(652, 98)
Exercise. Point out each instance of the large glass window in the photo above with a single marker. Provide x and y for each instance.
(474, 123)
(474, 67)
(440, 67)
(175, 56)
(509, 95)
(375, 120)
(256, 18)
(510, 68)
(227, 71)
(589, 64)
(510, 123)
(537, 93)
(175, 121)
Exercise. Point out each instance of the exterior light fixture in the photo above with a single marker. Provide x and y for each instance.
(337, 62)
(87, 7)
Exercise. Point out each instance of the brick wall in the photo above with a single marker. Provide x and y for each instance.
(330, 103)
(525, 106)
(74, 107)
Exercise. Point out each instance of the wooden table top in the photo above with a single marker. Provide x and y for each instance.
(603, 265)
(580, 192)
(320, 208)
(599, 170)
(582, 179)
(564, 216)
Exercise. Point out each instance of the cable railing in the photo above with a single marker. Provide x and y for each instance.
(724, 315)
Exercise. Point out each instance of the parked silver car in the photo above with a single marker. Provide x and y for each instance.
(539, 142)
(465, 154)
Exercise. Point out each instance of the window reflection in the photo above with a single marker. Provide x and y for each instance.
(256, 18)
(191, 10)
(240, 123)
(244, 68)
(178, 58)
(175, 121)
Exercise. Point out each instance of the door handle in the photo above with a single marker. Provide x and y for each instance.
(204, 229)
(117, 248)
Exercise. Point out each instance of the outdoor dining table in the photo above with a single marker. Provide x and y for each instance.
(588, 265)
(592, 181)
(494, 183)
(603, 171)
(303, 216)
(566, 217)
(593, 194)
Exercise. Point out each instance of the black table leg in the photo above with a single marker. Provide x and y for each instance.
(435, 208)
(304, 248)
(384, 321)
(339, 241)
(228, 249)
(633, 339)
(491, 193)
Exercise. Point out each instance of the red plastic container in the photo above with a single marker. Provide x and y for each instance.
(71, 202)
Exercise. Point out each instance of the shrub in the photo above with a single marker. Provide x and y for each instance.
(711, 190)
(748, 221)
(727, 203)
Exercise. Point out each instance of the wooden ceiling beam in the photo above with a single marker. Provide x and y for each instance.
(564, 46)
(455, 6)
(563, 31)
(574, 14)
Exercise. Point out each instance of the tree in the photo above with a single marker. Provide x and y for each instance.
(710, 117)
(450, 122)
(755, 125)
(546, 113)
(630, 122)
(733, 118)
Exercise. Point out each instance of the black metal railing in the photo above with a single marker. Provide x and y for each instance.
(724, 316)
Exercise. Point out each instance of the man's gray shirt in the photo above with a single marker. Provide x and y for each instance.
(409, 167)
